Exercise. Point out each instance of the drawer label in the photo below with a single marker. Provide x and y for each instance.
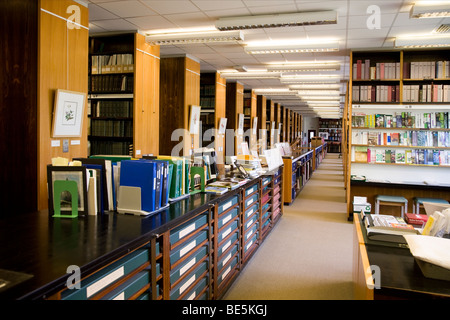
(250, 212)
(227, 205)
(225, 246)
(249, 245)
(187, 266)
(188, 248)
(225, 233)
(121, 296)
(187, 230)
(192, 296)
(249, 202)
(226, 219)
(249, 224)
(249, 235)
(105, 281)
(227, 259)
(226, 272)
(187, 284)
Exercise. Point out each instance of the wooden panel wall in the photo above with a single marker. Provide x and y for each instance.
(234, 106)
(179, 89)
(261, 105)
(63, 64)
(146, 98)
(253, 114)
(18, 106)
(220, 112)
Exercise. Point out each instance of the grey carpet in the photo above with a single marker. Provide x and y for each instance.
(308, 255)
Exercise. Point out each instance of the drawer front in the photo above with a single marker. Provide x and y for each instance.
(107, 276)
(250, 190)
(265, 207)
(187, 228)
(277, 180)
(250, 232)
(224, 219)
(264, 217)
(276, 197)
(197, 289)
(251, 221)
(187, 247)
(226, 258)
(265, 224)
(225, 205)
(276, 212)
(266, 181)
(251, 242)
(187, 282)
(227, 271)
(265, 199)
(129, 288)
(252, 210)
(250, 201)
(228, 243)
(187, 265)
(277, 190)
(225, 232)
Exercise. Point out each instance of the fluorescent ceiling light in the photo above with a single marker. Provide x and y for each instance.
(309, 66)
(277, 20)
(319, 98)
(250, 75)
(275, 47)
(268, 92)
(315, 86)
(194, 37)
(430, 9)
(423, 41)
(320, 78)
(319, 93)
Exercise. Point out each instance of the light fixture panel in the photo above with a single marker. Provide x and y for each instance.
(277, 20)
(429, 10)
(194, 37)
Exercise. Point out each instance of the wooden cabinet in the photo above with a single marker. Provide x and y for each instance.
(179, 90)
(261, 113)
(42, 52)
(297, 171)
(235, 115)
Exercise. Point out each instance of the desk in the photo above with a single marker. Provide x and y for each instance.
(400, 276)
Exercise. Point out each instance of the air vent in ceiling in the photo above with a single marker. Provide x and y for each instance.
(443, 28)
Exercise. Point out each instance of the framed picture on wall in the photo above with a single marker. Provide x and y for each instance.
(68, 113)
(194, 124)
(222, 125)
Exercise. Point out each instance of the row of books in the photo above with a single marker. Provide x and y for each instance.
(426, 93)
(207, 102)
(367, 70)
(437, 139)
(115, 63)
(110, 147)
(111, 128)
(398, 156)
(363, 70)
(376, 93)
(110, 108)
(111, 83)
(404, 119)
(207, 90)
(426, 70)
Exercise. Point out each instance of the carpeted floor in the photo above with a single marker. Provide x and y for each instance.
(308, 255)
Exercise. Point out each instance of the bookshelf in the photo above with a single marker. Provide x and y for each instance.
(212, 101)
(251, 133)
(398, 119)
(261, 105)
(123, 95)
(270, 123)
(331, 130)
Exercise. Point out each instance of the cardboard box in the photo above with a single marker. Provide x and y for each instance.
(365, 207)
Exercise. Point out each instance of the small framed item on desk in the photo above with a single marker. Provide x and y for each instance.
(67, 191)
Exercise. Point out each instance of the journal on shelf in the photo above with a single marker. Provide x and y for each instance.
(387, 228)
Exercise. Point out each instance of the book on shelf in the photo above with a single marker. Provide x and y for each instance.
(115, 63)
(216, 189)
(367, 70)
(426, 69)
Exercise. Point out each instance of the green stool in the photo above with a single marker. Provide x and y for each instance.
(418, 203)
(395, 201)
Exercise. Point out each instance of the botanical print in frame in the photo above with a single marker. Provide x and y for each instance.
(68, 114)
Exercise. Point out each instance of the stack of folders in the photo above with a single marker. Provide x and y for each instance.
(178, 176)
(151, 177)
(387, 228)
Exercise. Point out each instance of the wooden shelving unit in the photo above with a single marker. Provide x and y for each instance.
(401, 94)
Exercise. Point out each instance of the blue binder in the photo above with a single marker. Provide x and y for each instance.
(142, 174)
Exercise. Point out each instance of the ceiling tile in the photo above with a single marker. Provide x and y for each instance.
(279, 8)
(171, 7)
(116, 25)
(98, 13)
(127, 9)
(189, 20)
(152, 22)
(218, 4)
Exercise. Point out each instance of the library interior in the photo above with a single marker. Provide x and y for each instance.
(225, 150)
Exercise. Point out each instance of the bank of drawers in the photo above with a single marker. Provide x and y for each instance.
(228, 244)
(121, 279)
(189, 259)
(251, 216)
